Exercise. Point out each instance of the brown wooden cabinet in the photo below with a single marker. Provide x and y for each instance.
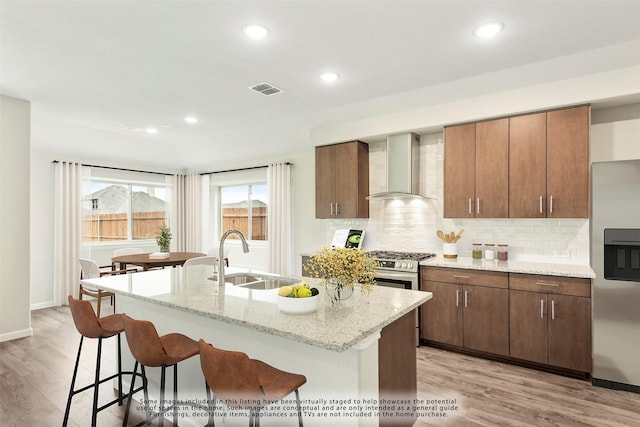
(549, 164)
(469, 309)
(476, 168)
(528, 166)
(550, 320)
(342, 180)
(568, 163)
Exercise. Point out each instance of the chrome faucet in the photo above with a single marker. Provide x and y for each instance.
(245, 249)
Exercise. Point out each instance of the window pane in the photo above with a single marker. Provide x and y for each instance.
(104, 211)
(259, 212)
(149, 208)
(235, 213)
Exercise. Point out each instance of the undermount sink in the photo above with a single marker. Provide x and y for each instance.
(262, 281)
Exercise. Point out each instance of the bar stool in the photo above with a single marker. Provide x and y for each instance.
(91, 326)
(248, 383)
(151, 350)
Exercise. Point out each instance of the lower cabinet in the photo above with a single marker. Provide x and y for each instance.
(550, 320)
(533, 318)
(469, 309)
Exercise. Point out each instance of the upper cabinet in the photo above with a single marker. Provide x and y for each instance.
(476, 167)
(342, 180)
(568, 163)
(549, 164)
(530, 166)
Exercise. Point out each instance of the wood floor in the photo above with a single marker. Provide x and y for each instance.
(35, 373)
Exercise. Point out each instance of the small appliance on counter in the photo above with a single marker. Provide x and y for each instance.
(345, 238)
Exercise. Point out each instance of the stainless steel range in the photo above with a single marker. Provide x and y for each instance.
(399, 269)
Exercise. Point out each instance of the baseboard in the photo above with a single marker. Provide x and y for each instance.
(16, 334)
(41, 305)
(614, 385)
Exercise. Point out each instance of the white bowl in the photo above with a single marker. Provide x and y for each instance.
(298, 305)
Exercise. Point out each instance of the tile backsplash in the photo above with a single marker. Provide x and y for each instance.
(411, 224)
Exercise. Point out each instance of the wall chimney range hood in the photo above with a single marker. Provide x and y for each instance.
(403, 168)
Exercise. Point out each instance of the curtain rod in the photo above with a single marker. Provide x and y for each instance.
(241, 169)
(120, 169)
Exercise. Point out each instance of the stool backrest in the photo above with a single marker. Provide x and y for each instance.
(144, 341)
(230, 375)
(85, 318)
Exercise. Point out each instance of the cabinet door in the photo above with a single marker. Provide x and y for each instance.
(568, 163)
(442, 314)
(325, 181)
(459, 171)
(492, 169)
(570, 332)
(486, 319)
(528, 325)
(528, 166)
(352, 172)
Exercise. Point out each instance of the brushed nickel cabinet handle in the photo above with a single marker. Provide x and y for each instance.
(469, 205)
(478, 205)
(465, 299)
(540, 204)
(547, 284)
(551, 204)
(553, 310)
(337, 209)
(542, 309)
(457, 276)
(331, 208)
(457, 298)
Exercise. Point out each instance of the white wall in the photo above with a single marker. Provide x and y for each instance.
(15, 319)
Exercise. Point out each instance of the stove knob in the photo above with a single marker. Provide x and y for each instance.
(409, 265)
(404, 265)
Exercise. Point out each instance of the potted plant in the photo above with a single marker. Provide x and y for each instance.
(164, 238)
(341, 269)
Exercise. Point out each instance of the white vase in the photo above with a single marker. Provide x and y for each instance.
(450, 250)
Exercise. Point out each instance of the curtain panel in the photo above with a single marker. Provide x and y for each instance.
(186, 213)
(67, 231)
(279, 224)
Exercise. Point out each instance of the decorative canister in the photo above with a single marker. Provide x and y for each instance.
(503, 252)
(476, 250)
(450, 250)
(489, 251)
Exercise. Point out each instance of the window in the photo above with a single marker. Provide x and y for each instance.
(113, 210)
(244, 207)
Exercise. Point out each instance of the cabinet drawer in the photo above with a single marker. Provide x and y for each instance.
(491, 279)
(550, 284)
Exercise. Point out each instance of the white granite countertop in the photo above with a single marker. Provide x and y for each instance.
(542, 268)
(337, 329)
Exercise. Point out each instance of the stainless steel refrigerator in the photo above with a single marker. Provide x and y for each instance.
(615, 259)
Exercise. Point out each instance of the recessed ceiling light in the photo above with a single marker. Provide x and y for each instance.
(329, 77)
(151, 130)
(191, 119)
(255, 31)
(488, 30)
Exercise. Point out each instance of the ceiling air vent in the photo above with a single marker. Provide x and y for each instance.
(266, 89)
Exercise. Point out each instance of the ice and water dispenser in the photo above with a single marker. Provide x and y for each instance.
(622, 254)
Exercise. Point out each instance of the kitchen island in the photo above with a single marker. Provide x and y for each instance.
(339, 350)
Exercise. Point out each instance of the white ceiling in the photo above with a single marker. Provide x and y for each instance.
(116, 66)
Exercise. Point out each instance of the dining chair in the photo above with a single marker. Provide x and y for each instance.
(201, 260)
(91, 270)
(251, 383)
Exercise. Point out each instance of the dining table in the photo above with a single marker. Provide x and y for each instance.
(147, 261)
